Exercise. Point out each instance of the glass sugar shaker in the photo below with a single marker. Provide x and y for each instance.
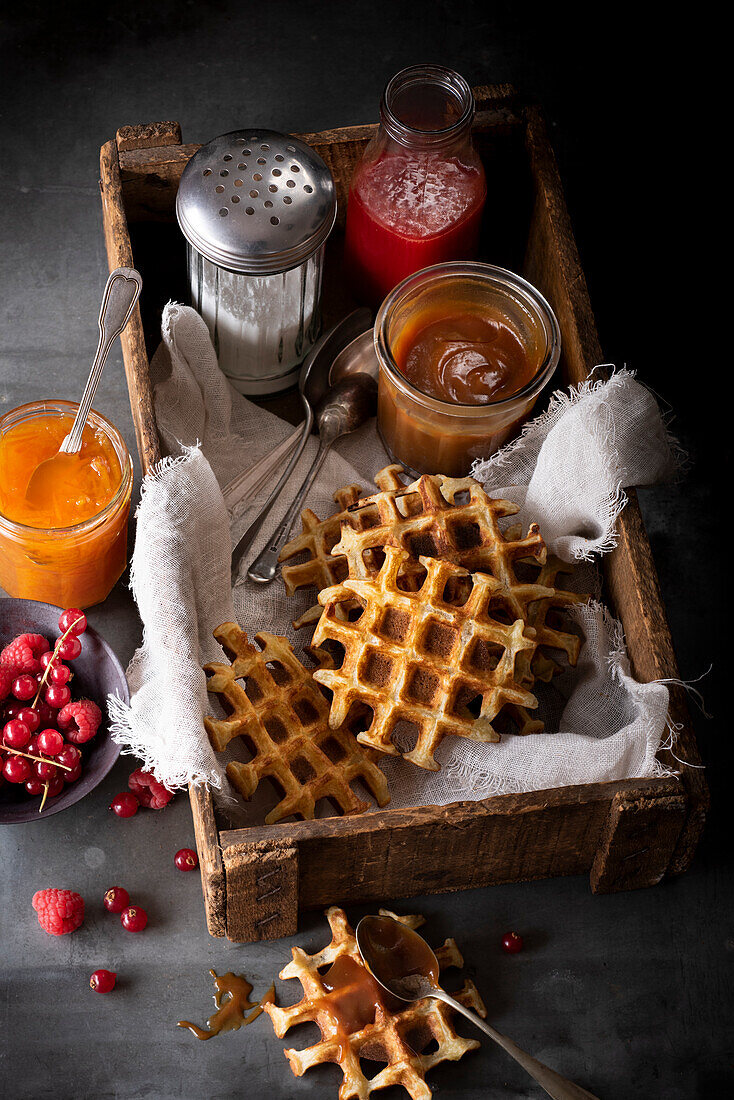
(256, 208)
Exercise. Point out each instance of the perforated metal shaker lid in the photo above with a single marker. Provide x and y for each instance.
(256, 201)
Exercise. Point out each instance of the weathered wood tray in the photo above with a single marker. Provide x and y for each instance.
(624, 834)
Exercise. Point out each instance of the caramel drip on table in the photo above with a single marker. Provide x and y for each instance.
(230, 1014)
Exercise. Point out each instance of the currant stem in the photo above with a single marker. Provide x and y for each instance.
(45, 796)
(49, 666)
(40, 759)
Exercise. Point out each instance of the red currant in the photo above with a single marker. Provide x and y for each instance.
(25, 687)
(60, 674)
(29, 717)
(73, 620)
(55, 786)
(125, 804)
(50, 742)
(45, 770)
(16, 734)
(73, 775)
(70, 756)
(186, 859)
(133, 919)
(102, 981)
(16, 769)
(70, 648)
(512, 943)
(12, 710)
(46, 715)
(46, 658)
(58, 695)
(34, 786)
(116, 899)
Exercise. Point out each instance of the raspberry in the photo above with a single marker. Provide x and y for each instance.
(150, 793)
(8, 673)
(79, 721)
(24, 651)
(59, 911)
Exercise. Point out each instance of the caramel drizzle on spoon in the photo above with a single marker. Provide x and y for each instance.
(230, 1014)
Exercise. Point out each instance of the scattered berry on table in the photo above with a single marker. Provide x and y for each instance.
(16, 769)
(73, 620)
(103, 981)
(23, 652)
(116, 899)
(70, 648)
(59, 911)
(186, 859)
(150, 793)
(133, 919)
(50, 742)
(512, 942)
(16, 734)
(124, 805)
(25, 687)
(79, 721)
(58, 696)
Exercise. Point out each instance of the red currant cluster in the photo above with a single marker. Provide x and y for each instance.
(41, 724)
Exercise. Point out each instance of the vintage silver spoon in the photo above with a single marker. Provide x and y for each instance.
(343, 409)
(313, 381)
(118, 301)
(403, 964)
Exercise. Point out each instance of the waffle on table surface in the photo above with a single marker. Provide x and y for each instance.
(397, 1038)
(273, 702)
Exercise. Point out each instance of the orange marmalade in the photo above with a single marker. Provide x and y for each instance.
(65, 541)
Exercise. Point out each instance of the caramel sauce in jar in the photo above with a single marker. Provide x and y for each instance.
(464, 350)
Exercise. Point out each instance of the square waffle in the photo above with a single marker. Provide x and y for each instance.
(413, 656)
(323, 568)
(273, 702)
(396, 1037)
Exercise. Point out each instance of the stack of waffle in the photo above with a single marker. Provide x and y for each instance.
(434, 619)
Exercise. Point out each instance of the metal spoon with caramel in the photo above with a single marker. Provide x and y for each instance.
(403, 964)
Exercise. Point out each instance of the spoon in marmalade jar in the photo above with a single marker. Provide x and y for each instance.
(405, 966)
(118, 301)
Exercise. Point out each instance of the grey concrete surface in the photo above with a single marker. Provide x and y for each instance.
(630, 994)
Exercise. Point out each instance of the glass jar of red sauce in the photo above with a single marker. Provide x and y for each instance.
(464, 350)
(418, 192)
(68, 547)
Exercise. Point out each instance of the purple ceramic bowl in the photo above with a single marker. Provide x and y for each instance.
(97, 674)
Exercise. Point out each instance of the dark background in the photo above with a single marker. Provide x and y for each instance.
(629, 994)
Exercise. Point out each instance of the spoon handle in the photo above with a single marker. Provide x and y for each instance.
(246, 539)
(265, 565)
(118, 301)
(556, 1086)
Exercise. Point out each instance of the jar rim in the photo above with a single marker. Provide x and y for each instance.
(452, 82)
(59, 406)
(498, 277)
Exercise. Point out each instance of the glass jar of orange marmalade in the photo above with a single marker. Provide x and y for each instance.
(68, 549)
(464, 350)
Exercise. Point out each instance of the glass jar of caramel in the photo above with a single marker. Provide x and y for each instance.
(464, 350)
(71, 548)
(417, 195)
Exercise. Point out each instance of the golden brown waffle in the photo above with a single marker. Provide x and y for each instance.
(322, 568)
(273, 703)
(427, 517)
(415, 657)
(395, 1037)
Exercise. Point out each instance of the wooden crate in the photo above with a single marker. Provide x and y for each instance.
(625, 834)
